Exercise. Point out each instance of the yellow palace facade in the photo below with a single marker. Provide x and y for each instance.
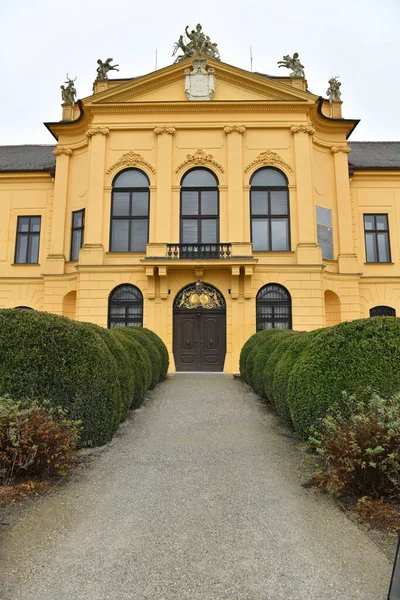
(204, 202)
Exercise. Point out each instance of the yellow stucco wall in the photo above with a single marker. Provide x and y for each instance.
(148, 123)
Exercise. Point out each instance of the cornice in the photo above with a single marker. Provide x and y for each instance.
(268, 157)
(131, 159)
(199, 158)
(213, 106)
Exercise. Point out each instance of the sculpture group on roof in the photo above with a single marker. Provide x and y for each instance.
(68, 93)
(198, 43)
(104, 67)
(333, 90)
(292, 62)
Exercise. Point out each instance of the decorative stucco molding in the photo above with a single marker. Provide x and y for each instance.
(234, 129)
(131, 159)
(268, 158)
(97, 131)
(303, 129)
(345, 149)
(165, 129)
(199, 158)
(62, 150)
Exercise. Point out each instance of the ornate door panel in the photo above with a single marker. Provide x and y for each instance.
(199, 329)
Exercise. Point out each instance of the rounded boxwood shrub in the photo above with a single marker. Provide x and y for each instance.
(262, 356)
(145, 340)
(126, 376)
(266, 341)
(355, 357)
(140, 362)
(162, 348)
(44, 356)
(244, 353)
(270, 364)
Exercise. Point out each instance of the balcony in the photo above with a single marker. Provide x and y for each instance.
(199, 251)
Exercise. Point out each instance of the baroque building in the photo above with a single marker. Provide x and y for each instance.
(205, 202)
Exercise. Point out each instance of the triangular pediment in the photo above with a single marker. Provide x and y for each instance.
(232, 85)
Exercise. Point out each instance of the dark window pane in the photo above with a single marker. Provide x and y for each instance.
(268, 178)
(35, 224)
(120, 235)
(189, 231)
(369, 222)
(199, 178)
(23, 224)
(383, 247)
(324, 234)
(382, 311)
(22, 245)
(279, 203)
(260, 234)
(370, 247)
(209, 203)
(33, 253)
(131, 179)
(140, 204)
(208, 231)
(273, 308)
(190, 203)
(77, 219)
(324, 216)
(76, 244)
(279, 234)
(259, 203)
(381, 222)
(139, 235)
(120, 204)
(327, 250)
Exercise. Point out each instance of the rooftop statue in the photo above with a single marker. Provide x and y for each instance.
(68, 93)
(333, 90)
(293, 63)
(104, 67)
(196, 43)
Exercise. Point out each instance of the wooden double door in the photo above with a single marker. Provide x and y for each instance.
(199, 340)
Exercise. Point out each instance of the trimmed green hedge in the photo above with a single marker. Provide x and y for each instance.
(262, 357)
(268, 372)
(152, 350)
(249, 346)
(44, 356)
(353, 357)
(162, 349)
(267, 340)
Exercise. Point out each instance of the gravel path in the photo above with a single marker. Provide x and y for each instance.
(198, 499)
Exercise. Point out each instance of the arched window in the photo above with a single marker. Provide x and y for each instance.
(382, 311)
(125, 307)
(199, 207)
(25, 307)
(130, 212)
(269, 209)
(273, 307)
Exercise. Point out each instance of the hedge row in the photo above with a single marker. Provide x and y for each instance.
(96, 375)
(305, 373)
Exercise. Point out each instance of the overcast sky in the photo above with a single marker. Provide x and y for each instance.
(42, 40)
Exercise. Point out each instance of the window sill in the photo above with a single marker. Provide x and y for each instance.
(117, 252)
(379, 263)
(25, 264)
(273, 251)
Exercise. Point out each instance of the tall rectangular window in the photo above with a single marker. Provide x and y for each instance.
(28, 238)
(78, 225)
(376, 232)
(324, 231)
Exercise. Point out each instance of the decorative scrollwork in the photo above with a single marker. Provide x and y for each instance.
(199, 158)
(208, 298)
(345, 149)
(268, 158)
(234, 129)
(97, 131)
(62, 150)
(131, 159)
(303, 129)
(165, 129)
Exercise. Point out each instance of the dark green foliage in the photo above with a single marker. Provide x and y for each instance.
(266, 340)
(43, 356)
(351, 357)
(266, 377)
(262, 357)
(247, 348)
(140, 362)
(289, 351)
(162, 348)
(152, 350)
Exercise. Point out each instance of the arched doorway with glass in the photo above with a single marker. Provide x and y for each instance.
(199, 332)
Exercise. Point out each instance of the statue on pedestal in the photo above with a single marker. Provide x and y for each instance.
(333, 90)
(103, 69)
(68, 93)
(292, 62)
(198, 43)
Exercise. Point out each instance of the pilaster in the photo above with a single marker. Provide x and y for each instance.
(234, 135)
(161, 231)
(56, 258)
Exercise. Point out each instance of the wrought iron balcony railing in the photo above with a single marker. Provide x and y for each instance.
(202, 251)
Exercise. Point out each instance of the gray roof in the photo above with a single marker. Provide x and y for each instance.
(27, 158)
(363, 155)
(374, 155)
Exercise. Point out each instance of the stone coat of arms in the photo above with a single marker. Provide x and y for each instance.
(199, 83)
